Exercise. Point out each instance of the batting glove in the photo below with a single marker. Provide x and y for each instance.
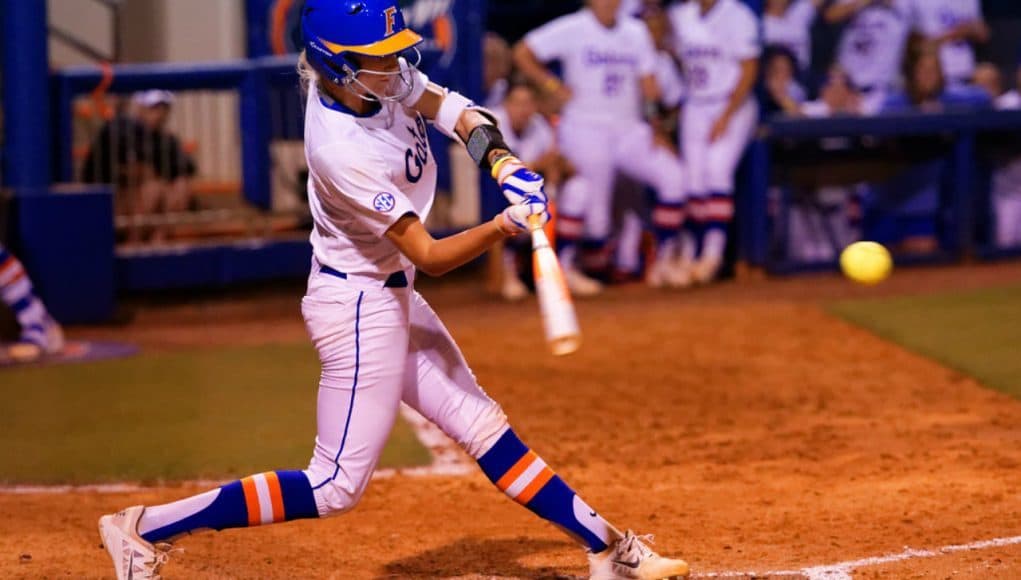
(517, 181)
(515, 219)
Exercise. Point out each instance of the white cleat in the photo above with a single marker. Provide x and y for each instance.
(705, 270)
(54, 337)
(133, 557)
(45, 336)
(581, 285)
(630, 558)
(679, 274)
(659, 275)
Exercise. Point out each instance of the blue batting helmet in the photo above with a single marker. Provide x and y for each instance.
(335, 29)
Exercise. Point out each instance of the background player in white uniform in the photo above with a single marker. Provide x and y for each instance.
(628, 252)
(717, 42)
(371, 184)
(788, 23)
(952, 25)
(871, 48)
(608, 65)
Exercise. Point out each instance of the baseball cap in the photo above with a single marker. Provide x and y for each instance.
(154, 97)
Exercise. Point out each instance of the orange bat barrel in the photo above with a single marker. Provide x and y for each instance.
(559, 320)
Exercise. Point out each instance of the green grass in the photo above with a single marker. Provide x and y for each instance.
(977, 333)
(213, 413)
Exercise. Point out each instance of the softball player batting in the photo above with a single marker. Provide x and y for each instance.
(372, 181)
(717, 42)
(609, 68)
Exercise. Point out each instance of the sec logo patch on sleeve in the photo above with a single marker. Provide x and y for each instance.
(384, 202)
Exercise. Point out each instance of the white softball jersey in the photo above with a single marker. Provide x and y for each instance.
(711, 46)
(933, 18)
(1009, 101)
(602, 66)
(792, 30)
(364, 174)
(872, 47)
(532, 143)
(629, 8)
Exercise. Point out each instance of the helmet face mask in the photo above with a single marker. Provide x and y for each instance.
(385, 85)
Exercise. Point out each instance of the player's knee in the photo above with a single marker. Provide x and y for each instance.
(599, 225)
(485, 430)
(721, 181)
(672, 187)
(335, 489)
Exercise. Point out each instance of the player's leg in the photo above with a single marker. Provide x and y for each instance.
(38, 329)
(440, 385)
(361, 337)
(717, 213)
(179, 195)
(584, 203)
(640, 157)
(511, 286)
(696, 122)
(1007, 213)
(628, 251)
(174, 197)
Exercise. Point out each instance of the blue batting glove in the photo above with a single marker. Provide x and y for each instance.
(517, 181)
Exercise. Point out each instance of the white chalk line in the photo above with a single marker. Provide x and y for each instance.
(447, 460)
(842, 570)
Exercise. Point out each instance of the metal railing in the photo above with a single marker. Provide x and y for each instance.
(227, 164)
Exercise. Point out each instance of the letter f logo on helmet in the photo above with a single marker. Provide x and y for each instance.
(391, 19)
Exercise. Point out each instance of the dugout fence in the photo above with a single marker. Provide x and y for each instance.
(886, 157)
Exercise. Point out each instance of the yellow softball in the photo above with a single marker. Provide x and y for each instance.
(866, 262)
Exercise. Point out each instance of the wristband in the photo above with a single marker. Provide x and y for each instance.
(483, 140)
(500, 162)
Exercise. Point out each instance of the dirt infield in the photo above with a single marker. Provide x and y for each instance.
(745, 427)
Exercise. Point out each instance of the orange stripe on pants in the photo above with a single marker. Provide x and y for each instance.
(516, 471)
(276, 496)
(533, 488)
(251, 501)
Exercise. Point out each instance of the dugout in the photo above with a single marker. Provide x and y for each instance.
(66, 234)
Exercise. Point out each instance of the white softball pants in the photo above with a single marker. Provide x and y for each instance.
(711, 166)
(598, 151)
(380, 346)
(1008, 220)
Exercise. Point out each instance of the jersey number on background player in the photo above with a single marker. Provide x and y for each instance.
(612, 83)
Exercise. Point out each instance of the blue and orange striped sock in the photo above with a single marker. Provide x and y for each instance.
(525, 478)
(265, 498)
(16, 291)
(667, 219)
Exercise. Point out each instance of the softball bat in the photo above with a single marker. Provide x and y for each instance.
(559, 320)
